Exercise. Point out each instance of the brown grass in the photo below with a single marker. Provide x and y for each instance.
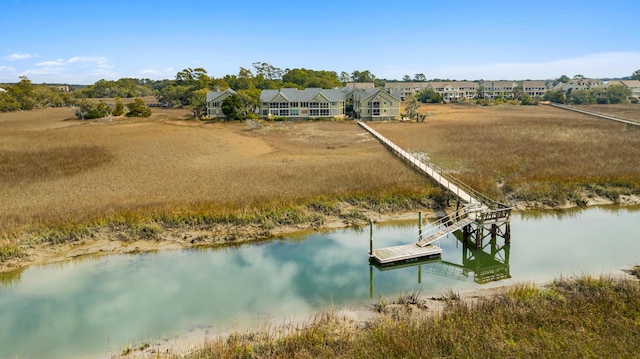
(534, 153)
(629, 111)
(57, 170)
(63, 170)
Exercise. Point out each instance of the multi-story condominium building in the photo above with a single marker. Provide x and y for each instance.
(303, 104)
(534, 88)
(633, 85)
(375, 104)
(214, 102)
(495, 89)
(580, 84)
(404, 89)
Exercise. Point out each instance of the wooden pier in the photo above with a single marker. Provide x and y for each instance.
(477, 211)
(596, 114)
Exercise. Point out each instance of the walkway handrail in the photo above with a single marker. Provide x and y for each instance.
(463, 191)
(456, 216)
(596, 114)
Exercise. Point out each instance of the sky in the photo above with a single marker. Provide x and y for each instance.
(81, 42)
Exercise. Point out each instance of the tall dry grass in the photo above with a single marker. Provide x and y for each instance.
(524, 153)
(62, 172)
(583, 317)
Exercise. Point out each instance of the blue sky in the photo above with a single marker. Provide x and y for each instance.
(81, 42)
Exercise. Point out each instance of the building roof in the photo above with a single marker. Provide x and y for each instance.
(631, 83)
(213, 95)
(360, 85)
(305, 95)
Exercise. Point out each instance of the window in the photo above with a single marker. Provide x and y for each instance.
(376, 104)
(284, 105)
(313, 105)
(304, 104)
(294, 112)
(314, 113)
(273, 105)
(376, 112)
(334, 104)
(284, 112)
(324, 105)
(275, 112)
(216, 104)
(324, 112)
(293, 104)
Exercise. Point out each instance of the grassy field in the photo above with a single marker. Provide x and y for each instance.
(520, 153)
(56, 169)
(62, 173)
(571, 318)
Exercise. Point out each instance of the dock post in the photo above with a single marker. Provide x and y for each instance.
(419, 274)
(420, 226)
(507, 233)
(370, 237)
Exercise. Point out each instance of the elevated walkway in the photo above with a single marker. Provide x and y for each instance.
(477, 209)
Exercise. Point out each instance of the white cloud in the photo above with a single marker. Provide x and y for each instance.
(76, 69)
(58, 62)
(17, 56)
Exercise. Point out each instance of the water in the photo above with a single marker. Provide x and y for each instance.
(96, 306)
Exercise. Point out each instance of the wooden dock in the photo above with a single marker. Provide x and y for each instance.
(404, 253)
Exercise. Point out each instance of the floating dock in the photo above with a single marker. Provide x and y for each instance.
(404, 253)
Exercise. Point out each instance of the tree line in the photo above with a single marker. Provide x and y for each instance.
(190, 86)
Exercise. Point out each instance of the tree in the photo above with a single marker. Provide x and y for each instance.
(581, 97)
(234, 107)
(419, 78)
(119, 108)
(362, 76)
(89, 110)
(429, 95)
(618, 94)
(517, 92)
(138, 108)
(198, 102)
(411, 106)
(23, 93)
(556, 96)
(344, 77)
(564, 79)
(406, 78)
(636, 75)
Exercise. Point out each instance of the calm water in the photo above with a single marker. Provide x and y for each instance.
(97, 306)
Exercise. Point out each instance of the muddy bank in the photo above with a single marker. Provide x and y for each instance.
(107, 241)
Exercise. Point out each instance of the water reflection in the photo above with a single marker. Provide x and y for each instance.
(100, 305)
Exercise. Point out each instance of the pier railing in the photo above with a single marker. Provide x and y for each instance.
(454, 185)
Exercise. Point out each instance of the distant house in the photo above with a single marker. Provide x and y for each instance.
(534, 88)
(495, 89)
(303, 104)
(214, 102)
(360, 85)
(634, 86)
(375, 104)
(405, 89)
(63, 88)
(580, 84)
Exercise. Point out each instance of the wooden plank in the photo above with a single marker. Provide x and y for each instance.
(404, 252)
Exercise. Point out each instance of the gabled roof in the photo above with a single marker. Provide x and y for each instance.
(306, 95)
(631, 83)
(214, 95)
(376, 92)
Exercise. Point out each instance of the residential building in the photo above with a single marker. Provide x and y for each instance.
(580, 83)
(303, 104)
(214, 102)
(534, 88)
(495, 89)
(375, 104)
(360, 85)
(405, 89)
(634, 86)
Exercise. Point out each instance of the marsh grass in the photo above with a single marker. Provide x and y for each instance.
(570, 318)
(531, 154)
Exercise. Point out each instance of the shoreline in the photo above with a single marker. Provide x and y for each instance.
(106, 242)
